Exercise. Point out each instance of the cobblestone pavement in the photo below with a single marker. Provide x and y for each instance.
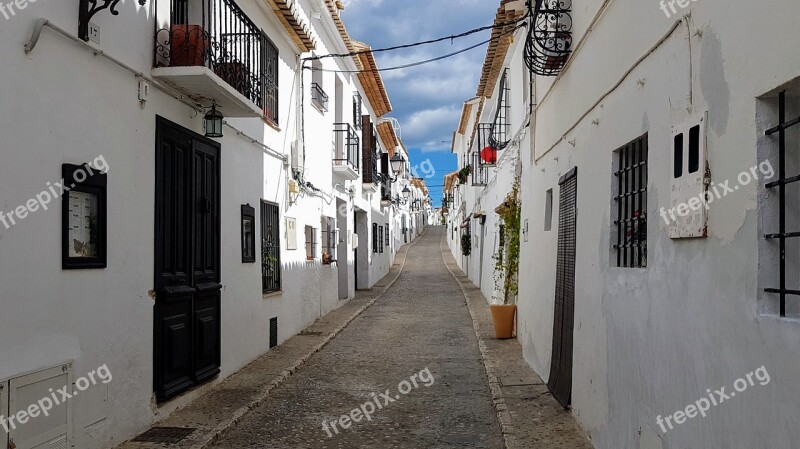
(421, 322)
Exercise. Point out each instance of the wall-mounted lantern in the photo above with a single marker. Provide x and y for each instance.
(397, 164)
(212, 122)
(406, 192)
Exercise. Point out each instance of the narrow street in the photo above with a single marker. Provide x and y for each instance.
(420, 322)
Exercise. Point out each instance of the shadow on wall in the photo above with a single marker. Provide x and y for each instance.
(312, 291)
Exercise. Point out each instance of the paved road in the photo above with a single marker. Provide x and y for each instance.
(419, 332)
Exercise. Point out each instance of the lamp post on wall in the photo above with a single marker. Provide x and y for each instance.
(212, 122)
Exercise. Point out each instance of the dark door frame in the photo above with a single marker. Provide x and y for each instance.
(187, 274)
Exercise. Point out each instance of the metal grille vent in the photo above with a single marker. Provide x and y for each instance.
(273, 332)
(164, 435)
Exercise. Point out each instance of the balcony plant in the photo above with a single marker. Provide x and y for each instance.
(506, 274)
(463, 174)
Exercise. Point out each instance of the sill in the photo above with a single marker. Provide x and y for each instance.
(777, 318)
(271, 295)
(318, 107)
(272, 124)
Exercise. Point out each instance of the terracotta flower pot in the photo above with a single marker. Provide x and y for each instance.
(188, 45)
(503, 317)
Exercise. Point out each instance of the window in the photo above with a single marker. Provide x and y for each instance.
(630, 202)
(386, 233)
(83, 220)
(380, 239)
(328, 241)
(779, 248)
(270, 248)
(548, 210)
(311, 243)
(374, 237)
(357, 110)
(271, 82)
(248, 234)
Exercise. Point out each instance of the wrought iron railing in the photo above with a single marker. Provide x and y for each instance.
(319, 97)
(345, 146)
(480, 172)
(549, 41)
(218, 35)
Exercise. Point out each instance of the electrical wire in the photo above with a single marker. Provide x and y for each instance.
(417, 44)
(419, 63)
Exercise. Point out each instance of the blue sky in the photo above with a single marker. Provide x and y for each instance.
(427, 100)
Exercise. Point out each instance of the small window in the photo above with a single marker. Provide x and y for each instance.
(328, 241)
(311, 243)
(83, 221)
(270, 247)
(630, 219)
(375, 237)
(386, 233)
(248, 234)
(678, 158)
(548, 210)
(380, 239)
(694, 149)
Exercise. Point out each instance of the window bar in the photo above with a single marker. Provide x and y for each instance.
(626, 212)
(642, 237)
(619, 211)
(782, 196)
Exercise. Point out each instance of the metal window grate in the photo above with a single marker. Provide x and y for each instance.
(498, 136)
(631, 204)
(164, 435)
(328, 240)
(273, 332)
(781, 184)
(480, 172)
(319, 97)
(270, 247)
(271, 82)
(357, 110)
(374, 237)
(311, 242)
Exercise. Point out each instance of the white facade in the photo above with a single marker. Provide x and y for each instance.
(65, 104)
(652, 340)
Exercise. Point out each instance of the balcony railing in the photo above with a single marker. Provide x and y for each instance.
(319, 97)
(480, 172)
(345, 146)
(218, 35)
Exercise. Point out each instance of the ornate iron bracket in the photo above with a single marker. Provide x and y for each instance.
(88, 9)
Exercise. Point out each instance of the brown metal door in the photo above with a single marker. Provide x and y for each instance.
(560, 380)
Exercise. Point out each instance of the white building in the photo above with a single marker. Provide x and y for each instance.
(148, 266)
(639, 297)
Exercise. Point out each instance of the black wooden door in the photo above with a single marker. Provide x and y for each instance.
(187, 260)
(560, 381)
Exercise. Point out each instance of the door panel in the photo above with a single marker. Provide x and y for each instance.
(187, 271)
(560, 380)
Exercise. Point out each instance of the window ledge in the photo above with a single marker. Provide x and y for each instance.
(272, 294)
(272, 124)
(777, 318)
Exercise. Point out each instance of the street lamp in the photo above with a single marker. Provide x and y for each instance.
(213, 122)
(397, 164)
(406, 192)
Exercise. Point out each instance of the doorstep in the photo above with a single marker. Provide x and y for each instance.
(529, 415)
(218, 411)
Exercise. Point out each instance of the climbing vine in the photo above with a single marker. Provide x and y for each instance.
(466, 244)
(507, 256)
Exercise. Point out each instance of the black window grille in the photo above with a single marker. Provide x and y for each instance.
(357, 110)
(631, 204)
(328, 240)
(480, 172)
(781, 130)
(270, 248)
(380, 239)
(311, 242)
(386, 233)
(271, 82)
(498, 136)
(374, 237)
(319, 97)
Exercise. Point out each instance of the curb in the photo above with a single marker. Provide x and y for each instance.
(503, 415)
(225, 427)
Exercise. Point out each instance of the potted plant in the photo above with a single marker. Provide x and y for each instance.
(507, 264)
(466, 244)
(463, 174)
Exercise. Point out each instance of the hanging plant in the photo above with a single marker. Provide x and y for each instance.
(507, 256)
(466, 244)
